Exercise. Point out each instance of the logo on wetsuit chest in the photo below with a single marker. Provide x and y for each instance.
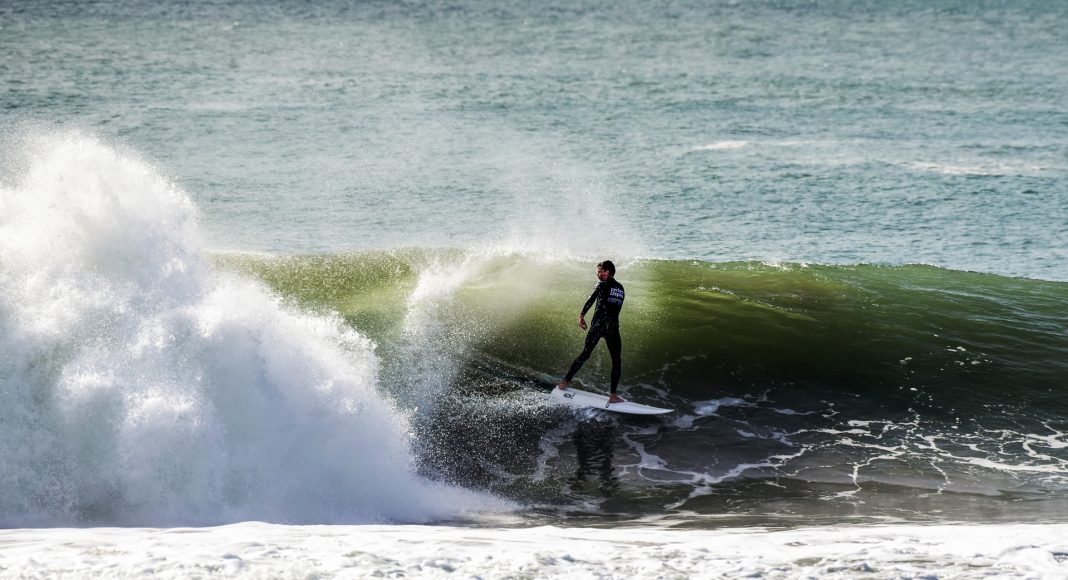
(615, 296)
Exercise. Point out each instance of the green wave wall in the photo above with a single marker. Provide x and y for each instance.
(906, 333)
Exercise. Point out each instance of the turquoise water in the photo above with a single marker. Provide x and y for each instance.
(246, 247)
(827, 132)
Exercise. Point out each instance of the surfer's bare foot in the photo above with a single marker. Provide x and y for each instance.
(616, 399)
(564, 385)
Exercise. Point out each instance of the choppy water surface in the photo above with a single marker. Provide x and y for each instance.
(831, 132)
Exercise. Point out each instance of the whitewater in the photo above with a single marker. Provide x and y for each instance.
(140, 385)
(255, 550)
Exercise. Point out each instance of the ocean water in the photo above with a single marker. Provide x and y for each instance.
(319, 264)
(832, 132)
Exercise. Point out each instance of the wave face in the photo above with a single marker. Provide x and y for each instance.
(144, 381)
(883, 391)
(140, 386)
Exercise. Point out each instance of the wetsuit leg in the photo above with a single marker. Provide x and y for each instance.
(615, 348)
(594, 335)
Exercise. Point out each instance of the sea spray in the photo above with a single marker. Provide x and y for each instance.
(431, 350)
(439, 330)
(139, 386)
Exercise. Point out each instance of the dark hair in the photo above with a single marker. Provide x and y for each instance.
(608, 266)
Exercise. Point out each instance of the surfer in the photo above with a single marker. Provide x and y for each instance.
(605, 324)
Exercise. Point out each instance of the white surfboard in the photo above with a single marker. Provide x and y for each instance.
(573, 397)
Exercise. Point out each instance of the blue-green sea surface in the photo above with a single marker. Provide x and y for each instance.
(819, 131)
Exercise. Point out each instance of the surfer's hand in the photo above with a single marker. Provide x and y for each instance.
(582, 322)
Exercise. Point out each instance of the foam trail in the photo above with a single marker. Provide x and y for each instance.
(139, 386)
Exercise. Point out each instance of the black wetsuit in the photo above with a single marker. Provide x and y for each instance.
(609, 297)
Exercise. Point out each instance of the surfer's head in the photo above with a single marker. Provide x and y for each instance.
(606, 270)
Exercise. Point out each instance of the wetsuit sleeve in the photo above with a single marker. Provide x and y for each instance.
(593, 298)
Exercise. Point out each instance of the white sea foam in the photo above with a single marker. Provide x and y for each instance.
(722, 146)
(254, 550)
(137, 385)
(703, 408)
(978, 170)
